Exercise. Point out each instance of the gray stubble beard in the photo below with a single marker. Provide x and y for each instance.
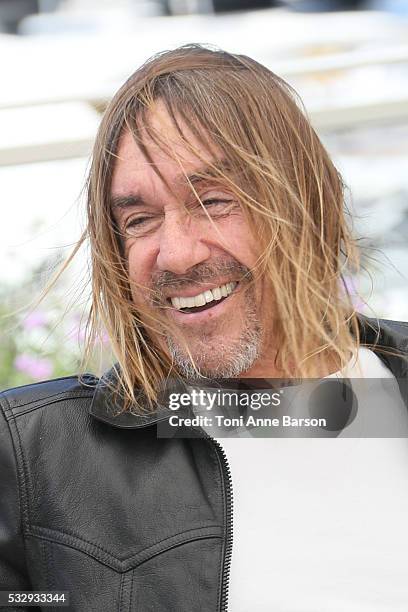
(235, 358)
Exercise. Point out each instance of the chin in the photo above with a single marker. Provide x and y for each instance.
(225, 360)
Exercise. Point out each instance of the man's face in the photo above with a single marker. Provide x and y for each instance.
(193, 261)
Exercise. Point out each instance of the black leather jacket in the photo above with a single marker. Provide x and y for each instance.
(98, 506)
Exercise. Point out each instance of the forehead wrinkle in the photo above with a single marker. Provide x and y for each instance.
(160, 142)
(162, 139)
(206, 172)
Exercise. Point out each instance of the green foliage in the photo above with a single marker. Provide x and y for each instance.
(42, 342)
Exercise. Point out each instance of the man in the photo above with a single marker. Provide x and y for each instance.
(218, 243)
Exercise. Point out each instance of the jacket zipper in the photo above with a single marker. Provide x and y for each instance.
(229, 526)
(226, 470)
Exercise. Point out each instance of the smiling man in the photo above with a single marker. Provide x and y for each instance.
(219, 245)
(221, 195)
(187, 243)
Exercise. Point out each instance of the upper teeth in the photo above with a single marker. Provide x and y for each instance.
(203, 298)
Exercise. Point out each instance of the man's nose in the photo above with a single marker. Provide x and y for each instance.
(181, 246)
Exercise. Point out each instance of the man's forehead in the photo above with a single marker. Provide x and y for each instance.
(162, 133)
(165, 147)
(133, 171)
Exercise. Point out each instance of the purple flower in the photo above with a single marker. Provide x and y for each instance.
(35, 319)
(35, 367)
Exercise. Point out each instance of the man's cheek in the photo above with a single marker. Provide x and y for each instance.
(141, 298)
(139, 291)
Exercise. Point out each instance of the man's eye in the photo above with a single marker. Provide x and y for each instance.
(137, 221)
(215, 201)
(217, 208)
(139, 225)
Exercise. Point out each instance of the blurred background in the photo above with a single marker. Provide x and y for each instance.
(62, 60)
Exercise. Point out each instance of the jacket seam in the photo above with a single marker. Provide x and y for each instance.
(131, 589)
(20, 476)
(124, 600)
(40, 528)
(140, 557)
(25, 478)
(21, 469)
(122, 579)
(41, 403)
(42, 382)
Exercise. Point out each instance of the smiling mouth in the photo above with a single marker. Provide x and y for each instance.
(203, 301)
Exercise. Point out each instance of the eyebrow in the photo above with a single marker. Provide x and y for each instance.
(127, 201)
(134, 199)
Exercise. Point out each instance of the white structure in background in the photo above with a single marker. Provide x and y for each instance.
(351, 69)
(46, 131)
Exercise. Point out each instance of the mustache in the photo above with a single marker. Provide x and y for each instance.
(200, 274)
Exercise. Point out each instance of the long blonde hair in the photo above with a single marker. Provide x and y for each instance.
(286, 183)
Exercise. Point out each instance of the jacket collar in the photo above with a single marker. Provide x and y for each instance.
(108, 408)
(384, 333)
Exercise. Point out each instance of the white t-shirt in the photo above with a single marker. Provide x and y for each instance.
(320, 525)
